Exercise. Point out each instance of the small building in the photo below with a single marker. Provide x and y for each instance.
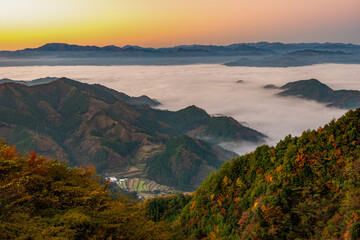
(112, 179)
(122, 180)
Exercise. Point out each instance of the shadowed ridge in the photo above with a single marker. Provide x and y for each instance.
(313, 89)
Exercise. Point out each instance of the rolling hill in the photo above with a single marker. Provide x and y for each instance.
(313, 89)
(91, 124)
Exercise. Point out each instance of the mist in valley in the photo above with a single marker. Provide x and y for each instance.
(215, 88)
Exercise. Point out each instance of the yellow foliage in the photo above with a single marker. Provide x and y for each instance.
(300, 159)
(212, 236)
(45, 199)
(268, 178)
(279, 168)
(347, 235)
(239, 183)
(8, 152)
(272, 215)
(193, 205)
(216, 228)
(319, 129)
(226, 181)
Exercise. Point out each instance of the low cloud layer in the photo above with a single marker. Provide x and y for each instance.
(214, 88)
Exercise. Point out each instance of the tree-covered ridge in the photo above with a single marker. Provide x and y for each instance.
(45, 199)
(305, 187)
(197, 123)
(92, 124)
(167, 208)
(30, 83)
(183, 160)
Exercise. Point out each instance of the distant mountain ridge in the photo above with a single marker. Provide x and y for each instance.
(71, 50)
(261, 48)
(261, 54)
(316, 53)
(302, 57)
(290, 47)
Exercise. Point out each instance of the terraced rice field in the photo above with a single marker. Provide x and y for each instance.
(122, 185)
(140, 185)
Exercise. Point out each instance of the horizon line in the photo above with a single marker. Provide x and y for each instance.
(173, 46)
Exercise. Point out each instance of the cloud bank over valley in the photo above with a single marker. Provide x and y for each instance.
(218, 90)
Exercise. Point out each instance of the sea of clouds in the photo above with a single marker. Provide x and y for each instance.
(214, 88)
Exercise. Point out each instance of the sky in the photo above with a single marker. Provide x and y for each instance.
(164, 23)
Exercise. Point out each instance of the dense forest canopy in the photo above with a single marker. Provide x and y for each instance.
(305, 187)
(45, 199)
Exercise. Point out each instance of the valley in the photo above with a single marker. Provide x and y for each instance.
(86, 124)
(179, 120)
(213, 87)
(175, 161)
(99, 143)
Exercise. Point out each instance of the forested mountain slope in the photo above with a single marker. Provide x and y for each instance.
(45, 199)
(91, 124)
(305, 187)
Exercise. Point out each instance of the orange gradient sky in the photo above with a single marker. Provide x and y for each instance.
(161, 23)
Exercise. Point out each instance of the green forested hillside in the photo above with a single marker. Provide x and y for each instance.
(183, 160)
(305, 187)
(166, 208)
(197, 123)
(45, 199)
(91, 124)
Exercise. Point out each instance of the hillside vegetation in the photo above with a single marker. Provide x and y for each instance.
(305, 187)
(184, 163)
(45, 199)
(92, 124)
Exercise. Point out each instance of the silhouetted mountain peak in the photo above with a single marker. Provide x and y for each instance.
(313, 89)
(305, 83)
(194, 108)
(111, 48)
(309, 89)
(65, 47)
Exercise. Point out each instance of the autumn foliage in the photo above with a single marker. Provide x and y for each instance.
(305, 187)
(45, 199)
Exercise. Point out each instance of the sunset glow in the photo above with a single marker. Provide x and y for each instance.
(157, 23)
